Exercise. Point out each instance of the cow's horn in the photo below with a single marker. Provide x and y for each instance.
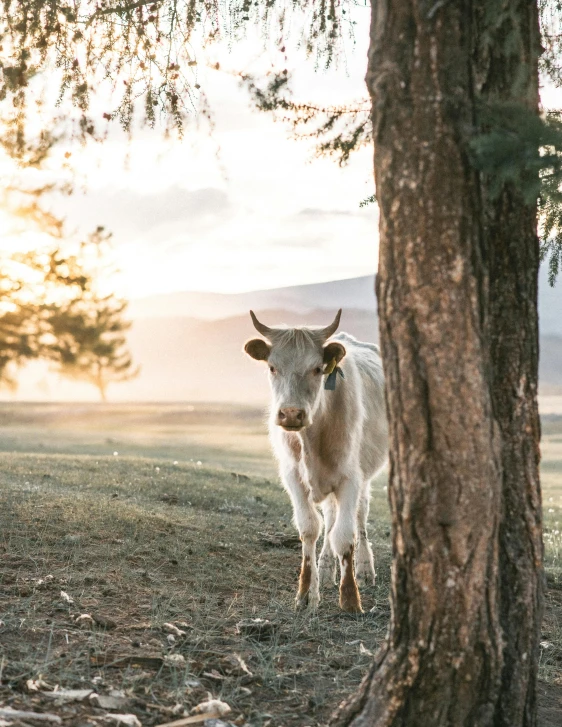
(325, 333)
(264, 330)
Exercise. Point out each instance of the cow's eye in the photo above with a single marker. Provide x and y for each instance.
(272, 369)
(318, 370)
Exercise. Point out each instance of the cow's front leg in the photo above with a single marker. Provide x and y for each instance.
(327, 560)
(308, 523)
(343, 543)
(364, 561)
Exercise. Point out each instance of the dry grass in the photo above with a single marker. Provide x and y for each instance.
(138, 542)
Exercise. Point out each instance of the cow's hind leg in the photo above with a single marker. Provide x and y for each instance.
(342, 538)
(308, 523)
(327, 563)
(364, 561)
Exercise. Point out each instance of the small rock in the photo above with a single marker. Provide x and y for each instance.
(258, 628)
(109, 701)
(129, 720)
(34, 685)
(215, 706)
(44, 581)
(171, 629)
(84, 621)
(174, 659)
(279, 540)
(65, 597)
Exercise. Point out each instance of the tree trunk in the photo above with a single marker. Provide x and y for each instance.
(100, 382)
(514, 262)
(508, 73)
(457, 305)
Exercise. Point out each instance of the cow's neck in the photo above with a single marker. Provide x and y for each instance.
(325, 417)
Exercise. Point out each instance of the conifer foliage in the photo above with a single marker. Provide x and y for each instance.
(33, 289)
(91, 345)
(51, 304)
(508, 142)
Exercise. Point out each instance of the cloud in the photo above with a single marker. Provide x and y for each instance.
(314, 212)
(299, 240)
(242, 208)
(129, 213)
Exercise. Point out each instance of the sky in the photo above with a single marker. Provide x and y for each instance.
(243, 208)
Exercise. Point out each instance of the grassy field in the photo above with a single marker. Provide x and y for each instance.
(138, 544)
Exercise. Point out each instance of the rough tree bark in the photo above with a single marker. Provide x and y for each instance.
(507, 71)
(457, 304)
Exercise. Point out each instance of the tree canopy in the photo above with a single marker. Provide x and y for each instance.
(143, 55)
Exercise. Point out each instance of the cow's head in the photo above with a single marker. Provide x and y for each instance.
(297, 359)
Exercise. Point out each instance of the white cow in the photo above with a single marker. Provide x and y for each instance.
(329, 433)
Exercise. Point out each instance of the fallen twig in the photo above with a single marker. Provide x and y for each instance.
(39, 716)
(116, 661)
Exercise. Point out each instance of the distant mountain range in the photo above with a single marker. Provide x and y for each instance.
(189, 345)
(350, 293)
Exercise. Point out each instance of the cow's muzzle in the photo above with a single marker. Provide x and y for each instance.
(291, 418)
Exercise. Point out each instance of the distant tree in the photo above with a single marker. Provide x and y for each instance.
(91, 343)
(32, 286)
(17, 344)
(51, 307)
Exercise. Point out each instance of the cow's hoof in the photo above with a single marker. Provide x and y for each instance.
(351, 607)
(350, 600)
(327, 572)
(307, 601)
(365, 574)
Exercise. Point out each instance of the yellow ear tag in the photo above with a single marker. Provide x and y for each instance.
(330, 366)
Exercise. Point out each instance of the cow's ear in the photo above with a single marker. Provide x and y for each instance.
(333, 350)
(257, 348)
